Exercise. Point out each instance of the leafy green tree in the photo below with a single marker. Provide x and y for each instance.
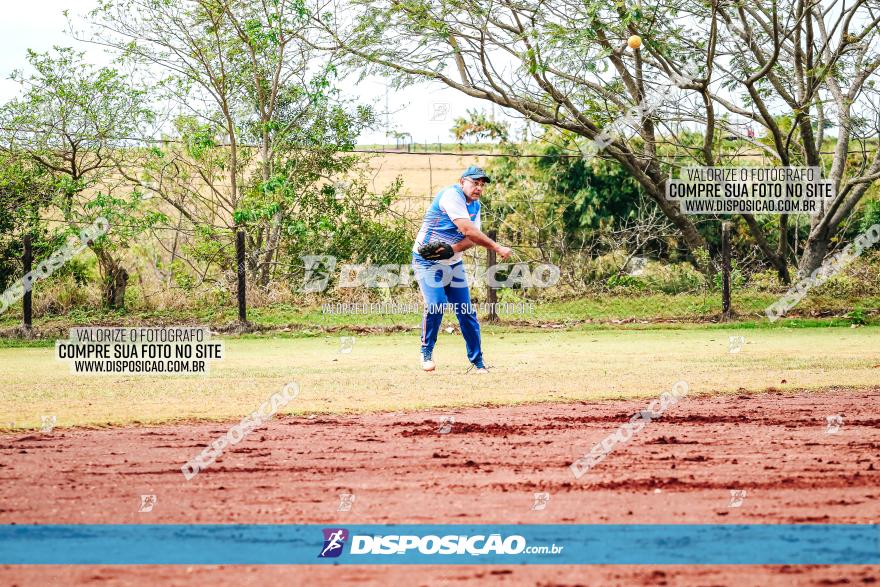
(551, 197)
(24, 195)
(347, 221)
(568, 65)
(73, 121)
(598, 193)
(477, 126)
(263, 125)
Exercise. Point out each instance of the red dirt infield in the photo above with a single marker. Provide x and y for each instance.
(482, 467)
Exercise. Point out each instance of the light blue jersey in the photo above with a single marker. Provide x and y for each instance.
(449, 204)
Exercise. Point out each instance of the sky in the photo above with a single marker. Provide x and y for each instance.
(425, 111)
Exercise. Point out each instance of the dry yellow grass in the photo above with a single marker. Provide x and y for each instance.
(423, 176)
(382, 373)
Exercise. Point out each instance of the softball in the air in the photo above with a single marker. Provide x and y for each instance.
(634, 42)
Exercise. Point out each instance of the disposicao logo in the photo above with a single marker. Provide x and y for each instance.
(472, 545)
(334, 540)
(406, 544)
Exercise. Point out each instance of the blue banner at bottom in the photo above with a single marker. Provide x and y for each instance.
(454, 544)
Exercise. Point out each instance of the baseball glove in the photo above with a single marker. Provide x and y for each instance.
(436, 251)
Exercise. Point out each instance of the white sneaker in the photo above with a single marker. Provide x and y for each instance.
(428, 365)
(481, 370)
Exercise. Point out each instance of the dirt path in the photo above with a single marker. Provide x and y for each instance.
(405, 468)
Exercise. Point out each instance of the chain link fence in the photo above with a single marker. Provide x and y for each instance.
(629, 270)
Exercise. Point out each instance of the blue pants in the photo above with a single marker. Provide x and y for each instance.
(442, 285)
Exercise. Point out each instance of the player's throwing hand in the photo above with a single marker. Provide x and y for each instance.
(503, 252)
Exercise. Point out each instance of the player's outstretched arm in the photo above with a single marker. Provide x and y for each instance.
(463, 245)
(476, 236)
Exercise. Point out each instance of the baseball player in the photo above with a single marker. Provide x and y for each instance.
(451, 225)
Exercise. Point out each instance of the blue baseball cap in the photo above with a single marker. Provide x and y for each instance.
(474, 172)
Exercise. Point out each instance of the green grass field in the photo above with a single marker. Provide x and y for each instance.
(600, 309)
(382, 373)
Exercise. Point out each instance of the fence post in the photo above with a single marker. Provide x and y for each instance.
(491, 294)
(27, 301)
(725, 270)
(239, 257)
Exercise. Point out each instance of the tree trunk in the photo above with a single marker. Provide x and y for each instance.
(115, 279)
(271, 246)
(693, 240)
(778, 262)
(275, 226)
(782, 243)
(815, 250)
